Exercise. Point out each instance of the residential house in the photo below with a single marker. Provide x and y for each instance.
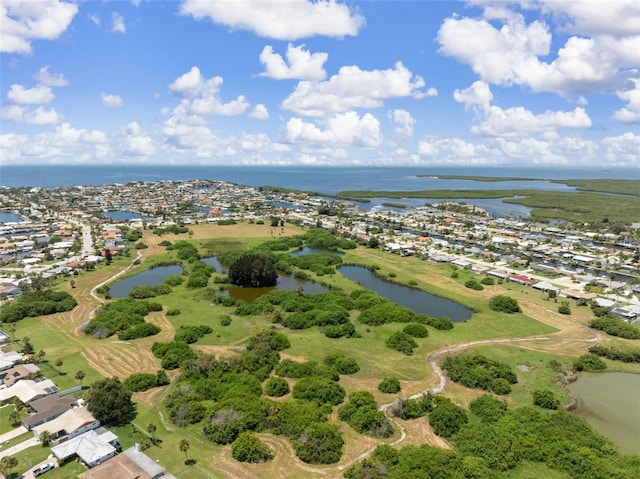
(10, 376)
(92, 448)
(28, 390)
(47, 409)
(72, 423)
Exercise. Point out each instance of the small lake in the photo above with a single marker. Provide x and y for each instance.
(150, 277)
(307, 250)
(412, 298)
(121, 215)
(285, 283)
(609, 402)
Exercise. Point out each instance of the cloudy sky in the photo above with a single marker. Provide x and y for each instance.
(324, 82)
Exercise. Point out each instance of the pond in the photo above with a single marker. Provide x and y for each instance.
(307, 250)
(123, 215)
(412, 298)
(150, 277)
(609, 402)
(285, 283)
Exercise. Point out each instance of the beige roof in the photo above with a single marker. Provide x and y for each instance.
(69, 421)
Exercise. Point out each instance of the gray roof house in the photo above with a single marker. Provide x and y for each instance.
(92, 448)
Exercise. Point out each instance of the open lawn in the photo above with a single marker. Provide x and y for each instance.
(553, 336)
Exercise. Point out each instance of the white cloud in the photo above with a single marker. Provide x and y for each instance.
(630, 113)
(135, 142)
(404, 123)
(112, 101)
(45, 77)
(478, 94)
(202, 95)
(42, 116)
(38, 95)
(302, 64)
(623, 150)
(62, 144)
(24, 21)
(94, 18)
(259, 112)
(345, 129)
(117, 23)
(290, 20)
(510, 53)
(353, 88)
(519, 122)
(619, 18)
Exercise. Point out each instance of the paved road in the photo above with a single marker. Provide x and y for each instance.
(11, 434)
(19, 447)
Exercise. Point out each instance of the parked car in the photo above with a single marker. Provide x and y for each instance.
(38, 471)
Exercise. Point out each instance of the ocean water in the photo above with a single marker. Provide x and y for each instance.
(328, 180)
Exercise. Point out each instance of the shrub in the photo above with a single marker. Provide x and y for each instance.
(545, 399)
(319, 443)
(389, 386)
(447, 418)
(342, 364)
(141, 330)
(276, 387)
(564, 309)
(190, 334)
(225, 320)
(616, 327)
(401, 342)
(319, 389)
(416, 330)
(248, 448)
(140, 382)
(488, 408)
(504, 304)
(362, 414)
(589, 362)
(173, 312)
(473, 284)
(174, 280)
(500, 386)
(488, 281)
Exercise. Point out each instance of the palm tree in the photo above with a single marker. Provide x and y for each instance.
(58, 364)
(45, 438)
(6, 464)
(184, 447)
(80, 376)
(151, 429)
(14, 417)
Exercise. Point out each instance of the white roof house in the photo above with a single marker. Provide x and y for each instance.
(68, 425)
(28, 389)
(10, 359)
(91, 448)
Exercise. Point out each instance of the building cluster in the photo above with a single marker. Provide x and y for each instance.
(49, 239)
(62, 422)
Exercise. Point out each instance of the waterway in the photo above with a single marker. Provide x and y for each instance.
(150, 277)
(412, 298)
(10, 218)
(609, 402)
(123, 215)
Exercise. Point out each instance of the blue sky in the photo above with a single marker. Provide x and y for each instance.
(257, 82)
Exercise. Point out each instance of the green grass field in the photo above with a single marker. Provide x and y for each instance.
(60, 338)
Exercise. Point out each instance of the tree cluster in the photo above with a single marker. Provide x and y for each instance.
(632, 356)
(138, 382)
(120, 316)
(362, 414)
(616, 327)
(174, 354)
(253, 270)
(589, 362)
(480, 372)
(504, 304)
(36, 303)
(191, 334)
